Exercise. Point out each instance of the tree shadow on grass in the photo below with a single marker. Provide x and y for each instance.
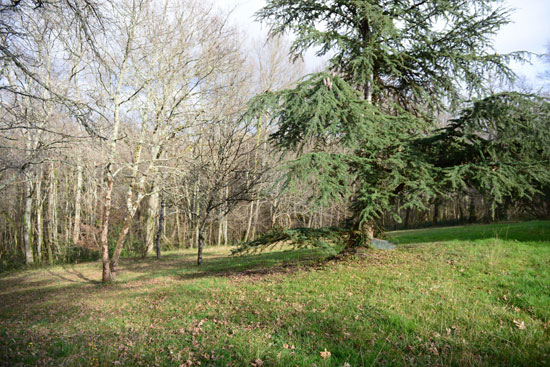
(69, 282)
(72, 302)
(262, 264)
(71, 269)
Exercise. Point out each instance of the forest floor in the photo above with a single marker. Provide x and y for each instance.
(474, 295)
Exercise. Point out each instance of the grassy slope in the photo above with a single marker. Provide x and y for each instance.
(457, 297)
(519, 231)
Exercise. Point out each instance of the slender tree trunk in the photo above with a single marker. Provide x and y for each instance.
(178, 227)
(272, 213)
(122, 238)
(52, 213)
(77, 203)
(18, 228)
(152, 212)
(220, 229)
(197, 215)
(153, 208)
(39, 223)
(225, 231)
(97, 215)
(250, 214)
(106, 275)
(185, 229)
(68, 216)
(132, 206)
(161, 220)
(27, 222)
(225, 217)
(256, 218)
(189, 222)
(249, 225)
(196, 236)
(200, 245)
(173, 233)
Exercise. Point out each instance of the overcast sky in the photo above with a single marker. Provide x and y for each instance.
(529, 30)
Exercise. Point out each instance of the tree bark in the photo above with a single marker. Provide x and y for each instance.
(362, 236)
(27, 224)
(122, 238)
(152, 211)
(39, 223)
(106, 274)
(161, 220)
(200, 245)
(68, 214)
(132, 206)
(225, 217)
(256, 219)
(249, 222)
(367, 231)
(197, 231)
(77, 203)
(220, 229)
(178, 227)
(52, 214)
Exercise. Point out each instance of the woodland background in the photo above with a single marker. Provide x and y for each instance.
(122, 128)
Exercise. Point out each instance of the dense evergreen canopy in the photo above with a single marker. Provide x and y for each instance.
(416, 53)
(499, 145)
(368, 129)
(352, 148)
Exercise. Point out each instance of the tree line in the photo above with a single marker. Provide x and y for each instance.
(133, 126)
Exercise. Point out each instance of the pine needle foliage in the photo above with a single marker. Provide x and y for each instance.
(354, 150)
(323, 238)
(417, 53)
(499, 145)
(367, 130)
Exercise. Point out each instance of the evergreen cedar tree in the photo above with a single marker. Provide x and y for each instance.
(366, 130)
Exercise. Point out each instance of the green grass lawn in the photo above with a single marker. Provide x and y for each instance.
(520, 231)
(475, 295)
